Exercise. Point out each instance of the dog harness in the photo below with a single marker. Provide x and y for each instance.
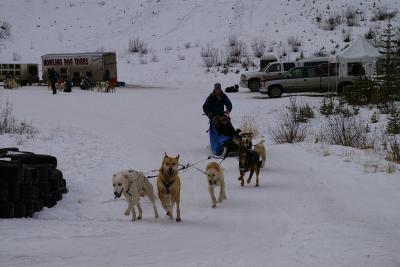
(127, 190)
(167, 185)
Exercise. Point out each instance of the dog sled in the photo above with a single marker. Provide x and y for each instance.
(222, 135)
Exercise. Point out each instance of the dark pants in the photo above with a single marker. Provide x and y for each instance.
(53, 86)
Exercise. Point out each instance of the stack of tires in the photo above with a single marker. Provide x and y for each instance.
(28, 182)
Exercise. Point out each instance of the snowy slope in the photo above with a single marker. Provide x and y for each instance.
(310, 210)
(42, 26)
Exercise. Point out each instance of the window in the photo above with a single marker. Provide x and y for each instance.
(17, 66)
(298, 73)
(312, 72)
(11, 66)
(288, 66)
(274, 68)
(331, 69)
(315, 63)
(4, 72)
(4, 66)
(89, 74)
(17, 73)
(76, 75)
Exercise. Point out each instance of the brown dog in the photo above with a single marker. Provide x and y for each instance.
(169, 186)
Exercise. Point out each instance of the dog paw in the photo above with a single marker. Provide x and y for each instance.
(257, 185)
(213, 206)
(248, 181)
(127, 212)
(178, 219)
(240, 178)
(139, 218)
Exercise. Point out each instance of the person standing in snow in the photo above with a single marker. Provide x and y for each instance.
(216, 103)
(53, 75)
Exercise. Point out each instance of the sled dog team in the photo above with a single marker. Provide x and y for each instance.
(133, 184)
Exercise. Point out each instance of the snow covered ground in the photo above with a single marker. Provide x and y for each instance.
(311, 210)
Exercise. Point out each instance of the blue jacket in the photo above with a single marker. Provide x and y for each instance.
(216, 106)
(53, 75)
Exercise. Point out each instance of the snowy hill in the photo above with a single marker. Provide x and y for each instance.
(175, 31)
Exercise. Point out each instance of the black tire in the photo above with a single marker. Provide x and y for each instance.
(9, 172)
(30, 174)
(3, 192)
(29, 210)
(29, 194)
(44, 189)
(19, 210)
(58, 195)
(275, 91)
(37, 206)
(34, 159)
(6, 149)
(13, 192)
(50, 201)
(6, 210)
(254, 85)
(58, 173)
(54, 184)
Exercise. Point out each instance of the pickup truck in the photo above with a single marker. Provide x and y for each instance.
(318, 79)
(275, 70)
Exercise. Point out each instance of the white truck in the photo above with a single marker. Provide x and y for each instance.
(317, 79)
(275, 70)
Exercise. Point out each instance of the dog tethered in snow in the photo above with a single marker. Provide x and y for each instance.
(215, 177)
(169, 186)
(249, 160)
(131, 184)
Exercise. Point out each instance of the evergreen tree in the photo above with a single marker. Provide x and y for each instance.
(390, 67)
(393, 125)
(363, 91)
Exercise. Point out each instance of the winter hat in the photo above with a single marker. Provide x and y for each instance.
(217, 86)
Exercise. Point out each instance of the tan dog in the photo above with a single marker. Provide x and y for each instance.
(260, 149)
(131, 184)
(169, 186)
(215, 177)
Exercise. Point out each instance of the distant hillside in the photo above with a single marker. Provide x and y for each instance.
(176, 30)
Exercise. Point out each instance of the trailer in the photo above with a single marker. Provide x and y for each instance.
(24, 73)
(97, 66)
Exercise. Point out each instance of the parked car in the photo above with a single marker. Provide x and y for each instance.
(318, 79)
(275, 70)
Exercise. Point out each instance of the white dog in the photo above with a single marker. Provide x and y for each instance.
(261, 151)
(131, 184)
(215, 177)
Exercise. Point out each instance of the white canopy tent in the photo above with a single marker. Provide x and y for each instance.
(360, 51)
